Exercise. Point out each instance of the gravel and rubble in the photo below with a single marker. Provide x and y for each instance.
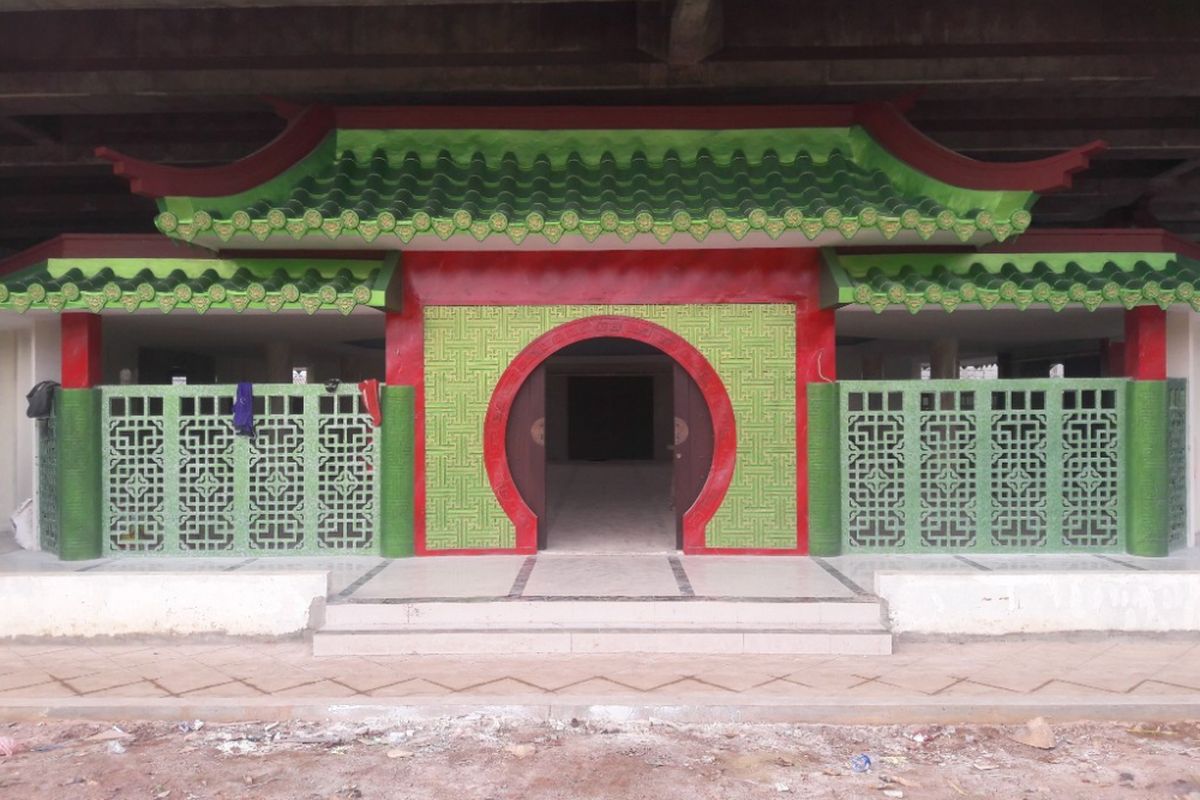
(493, 758)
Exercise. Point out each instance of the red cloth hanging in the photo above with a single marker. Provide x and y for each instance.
(369, 390)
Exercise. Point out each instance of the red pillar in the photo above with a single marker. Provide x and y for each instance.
(816, 362)
(1146, 343)
(404, 346)
(82, 351)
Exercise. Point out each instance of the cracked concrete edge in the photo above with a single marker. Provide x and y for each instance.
(832, 710)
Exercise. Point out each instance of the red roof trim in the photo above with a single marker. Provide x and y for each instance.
(304, 132)
(884, 121)
(101, 245)
(890, 128)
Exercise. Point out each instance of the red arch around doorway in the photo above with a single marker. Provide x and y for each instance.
(495, 453)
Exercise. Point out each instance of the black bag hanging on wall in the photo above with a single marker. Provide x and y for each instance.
(41, 400)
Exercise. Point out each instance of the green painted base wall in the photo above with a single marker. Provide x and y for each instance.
(396, 473)
(752, 348)
(1146, 473)
(80, 510)
(824, 471)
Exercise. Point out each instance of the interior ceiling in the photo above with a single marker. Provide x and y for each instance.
(978, 329)
(181, 82)
(248, 333)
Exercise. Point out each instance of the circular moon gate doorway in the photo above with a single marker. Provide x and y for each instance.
(691, 440)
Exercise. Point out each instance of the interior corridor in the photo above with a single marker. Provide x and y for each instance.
(610, 507)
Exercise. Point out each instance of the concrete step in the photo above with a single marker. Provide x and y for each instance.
(806, 614)
(528, 640)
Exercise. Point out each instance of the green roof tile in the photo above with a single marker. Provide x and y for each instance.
(168, 284)
(551, 184)
(1055, 280)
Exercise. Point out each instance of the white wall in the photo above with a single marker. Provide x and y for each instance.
(1183, 357)
(160, 603)
(994, 603)
(29, 353)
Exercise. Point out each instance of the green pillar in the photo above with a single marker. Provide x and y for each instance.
(396, 474)
(824, 471)
(81, 514)
(1146, 468)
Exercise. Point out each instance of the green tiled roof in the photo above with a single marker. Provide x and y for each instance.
(1056, 280)
(93, 284)
(627, 183)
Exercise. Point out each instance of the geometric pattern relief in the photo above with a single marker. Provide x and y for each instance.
(1091, 472)
(1177, 392)
(135, 474)
(874, 467)
(346, 496)
(948, 474)
(206, 475)
(278, 500)
(1018, 470)
(1011, 465)
(751, 347)
(179, 480)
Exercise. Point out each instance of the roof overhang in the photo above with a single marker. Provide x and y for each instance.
(598, 178)
(107, 273)
(1052, 269)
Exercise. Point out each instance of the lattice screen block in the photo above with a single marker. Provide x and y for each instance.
(983, 466)
(752, 347)
(179, 480)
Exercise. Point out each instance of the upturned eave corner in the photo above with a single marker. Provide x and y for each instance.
(304, 131)
(888, 125)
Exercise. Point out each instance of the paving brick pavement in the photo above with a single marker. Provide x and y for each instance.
(1091, 674)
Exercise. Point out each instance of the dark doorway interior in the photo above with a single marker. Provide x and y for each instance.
(610, 417)
(163, 366)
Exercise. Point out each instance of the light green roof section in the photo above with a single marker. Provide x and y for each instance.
(403, 184)
(199, 284)
(1013, 280)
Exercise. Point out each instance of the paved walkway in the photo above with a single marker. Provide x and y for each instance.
(558, 575)
(1099, 677)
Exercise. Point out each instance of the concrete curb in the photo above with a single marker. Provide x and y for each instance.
(765, 710)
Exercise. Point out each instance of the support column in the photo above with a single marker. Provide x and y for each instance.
(78, 426)
(403, 457)
(82, 350)
(818, 469)
(943, 359)
(1146, 431)
(396, 476)
(1146, 343)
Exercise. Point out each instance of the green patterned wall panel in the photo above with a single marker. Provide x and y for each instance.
(984, 466)
(752, 348)
(179, 481)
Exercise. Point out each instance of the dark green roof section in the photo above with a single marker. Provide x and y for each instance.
(405, 184)
(1013, 280)
(199, 284)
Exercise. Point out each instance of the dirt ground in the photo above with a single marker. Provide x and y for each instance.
(494, 759)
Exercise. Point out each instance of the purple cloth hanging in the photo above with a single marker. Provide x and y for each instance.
(243, 409)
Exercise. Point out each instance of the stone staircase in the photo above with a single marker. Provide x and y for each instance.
(804, 626)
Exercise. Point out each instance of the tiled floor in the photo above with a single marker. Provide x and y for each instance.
(607, 507)
(1101, 668)
(605, 575)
